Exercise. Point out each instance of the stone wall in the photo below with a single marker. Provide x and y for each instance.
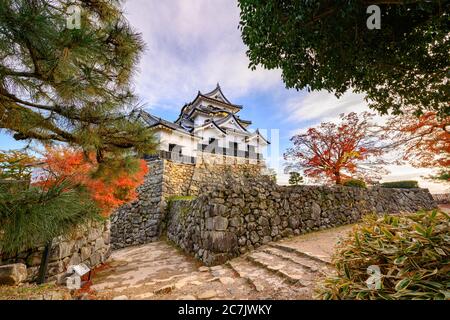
(139, 221)
(243, 214)
(442, 198)
(143, 220)
(89, 244)
(213, 171)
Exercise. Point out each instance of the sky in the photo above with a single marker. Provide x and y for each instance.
(193, 45)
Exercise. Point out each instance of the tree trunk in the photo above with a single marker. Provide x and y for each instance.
(338, 177)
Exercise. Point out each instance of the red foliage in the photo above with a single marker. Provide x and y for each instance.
(337, 151)
(425, 139)
(114, 188)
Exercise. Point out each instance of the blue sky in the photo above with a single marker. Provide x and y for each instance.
(192, 45)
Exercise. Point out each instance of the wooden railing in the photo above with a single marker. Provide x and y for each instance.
(173, 156)
(229, 152)
(176, 156)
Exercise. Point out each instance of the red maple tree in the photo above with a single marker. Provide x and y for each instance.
(338, 151)
(424, 140)
(110, 189)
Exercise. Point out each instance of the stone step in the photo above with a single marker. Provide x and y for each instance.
(294, 273)
(321, 260)
(309, 265)
(258, 278)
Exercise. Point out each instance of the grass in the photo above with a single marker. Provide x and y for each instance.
(33, 292)
(176, 198)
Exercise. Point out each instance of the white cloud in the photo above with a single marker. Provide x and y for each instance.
(323, 105)
(192, 45)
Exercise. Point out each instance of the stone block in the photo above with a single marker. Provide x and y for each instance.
(220, 241)
(266, 239)
(99, 244)
(85, 253)
(107, 237)
(209, 224)
(32, 273)
(96, 259)
(263, 221)
(293, 222)
(60, 250)
(315, 211)
(74, 259)
(275, 221)
(220, 223)
(94, 233)
(13, 274)
(236, 221)
(254, 237)
(55, 268)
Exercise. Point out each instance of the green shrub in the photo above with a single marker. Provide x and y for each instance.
(412, 252)
(405, 184)
(355, 183)
(31, 217)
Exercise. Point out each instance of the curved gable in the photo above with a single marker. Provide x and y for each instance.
(259, 136)
(210, 125)
(231, 122)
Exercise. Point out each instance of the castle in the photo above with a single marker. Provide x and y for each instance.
(209, 192)
(209, 124)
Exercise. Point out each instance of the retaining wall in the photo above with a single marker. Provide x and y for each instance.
(241, 215)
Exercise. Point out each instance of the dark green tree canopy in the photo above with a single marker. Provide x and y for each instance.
(70, 84)
(295, 178)
(327, 45)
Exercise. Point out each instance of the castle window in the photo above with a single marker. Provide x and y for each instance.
(175, 148)
(234, 148)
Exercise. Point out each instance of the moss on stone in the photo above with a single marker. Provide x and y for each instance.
(176, 198)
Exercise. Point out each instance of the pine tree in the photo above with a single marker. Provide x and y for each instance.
(295, 178)
(34, 216)
(70, 84)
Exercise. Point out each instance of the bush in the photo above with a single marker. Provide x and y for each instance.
(405, 184)
(33, 216)
(411, 252)
(355, 183)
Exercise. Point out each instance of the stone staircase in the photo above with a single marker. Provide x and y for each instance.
(287, 269)
(280, 272)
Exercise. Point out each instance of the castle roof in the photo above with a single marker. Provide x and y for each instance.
(218, 113)
(217, 94)
(153, 121)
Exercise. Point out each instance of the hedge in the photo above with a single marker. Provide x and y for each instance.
(405, 184)
(357, 183)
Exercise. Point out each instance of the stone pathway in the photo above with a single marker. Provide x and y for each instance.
(445, 208)
(286, 269)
